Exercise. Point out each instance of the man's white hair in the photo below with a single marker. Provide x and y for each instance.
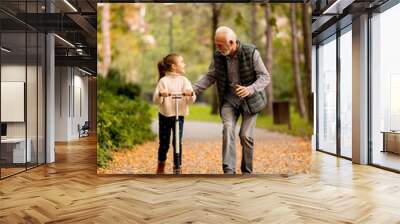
(231, 35)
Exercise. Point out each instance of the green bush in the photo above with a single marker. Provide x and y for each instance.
(103, 156)
(124, 120)
(116, 84)
(129, 90)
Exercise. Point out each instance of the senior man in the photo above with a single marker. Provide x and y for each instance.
(241, 78)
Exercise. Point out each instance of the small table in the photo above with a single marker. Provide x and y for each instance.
(13, 150)
(391, 141)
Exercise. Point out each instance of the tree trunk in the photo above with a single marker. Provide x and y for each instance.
(105, 26)
(307, 55)
(216, 11)
(254, 23)
(296, 62)
(268, 57)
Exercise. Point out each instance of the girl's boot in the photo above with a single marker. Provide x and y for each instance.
(161, 167)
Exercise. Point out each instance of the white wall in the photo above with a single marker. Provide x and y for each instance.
(71, 94)
(62, 81)
(14, 73)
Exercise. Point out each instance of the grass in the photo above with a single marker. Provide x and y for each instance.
(300, 126)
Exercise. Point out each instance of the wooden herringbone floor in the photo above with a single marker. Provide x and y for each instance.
(70, 191)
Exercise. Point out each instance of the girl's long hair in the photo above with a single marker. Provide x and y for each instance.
(165, 65)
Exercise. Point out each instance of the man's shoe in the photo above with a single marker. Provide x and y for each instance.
(161, 167)
(229, 172)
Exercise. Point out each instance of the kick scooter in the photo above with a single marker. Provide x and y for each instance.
(177, 151)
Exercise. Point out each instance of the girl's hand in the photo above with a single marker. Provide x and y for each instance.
(164, 93)
(188, 93)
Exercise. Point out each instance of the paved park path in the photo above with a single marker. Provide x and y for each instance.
(274, 153)
(200, 130)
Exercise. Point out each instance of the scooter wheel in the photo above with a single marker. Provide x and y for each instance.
(177, 171)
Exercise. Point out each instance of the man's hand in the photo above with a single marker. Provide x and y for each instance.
(242, 91)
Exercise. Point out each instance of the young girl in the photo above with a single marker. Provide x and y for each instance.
(171, 69)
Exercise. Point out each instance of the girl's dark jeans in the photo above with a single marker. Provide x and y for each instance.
(166, 124)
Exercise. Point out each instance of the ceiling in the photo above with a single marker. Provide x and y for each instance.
(74, 22)
(329, 15)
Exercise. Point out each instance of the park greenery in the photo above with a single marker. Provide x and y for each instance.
(123, 117)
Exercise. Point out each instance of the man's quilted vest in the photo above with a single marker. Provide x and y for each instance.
(247, 76)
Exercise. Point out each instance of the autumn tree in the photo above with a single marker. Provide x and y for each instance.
(305, 8)
(268, 55)
(296, 62)
(216, 12)
(105, 26)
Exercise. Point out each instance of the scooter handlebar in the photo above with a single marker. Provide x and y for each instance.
(176, 94)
